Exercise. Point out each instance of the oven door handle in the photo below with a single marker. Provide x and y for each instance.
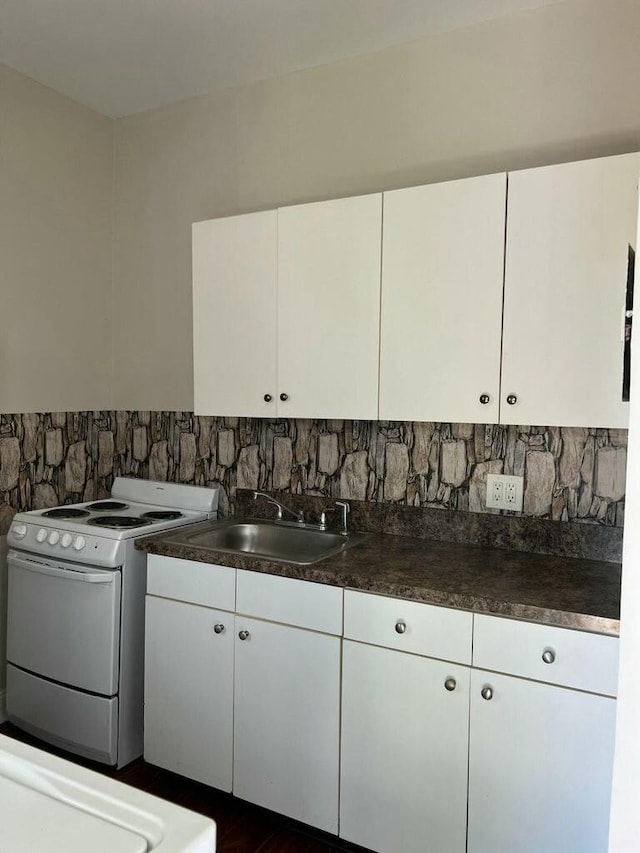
(66, 574)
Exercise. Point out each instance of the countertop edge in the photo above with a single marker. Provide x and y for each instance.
(332, 575)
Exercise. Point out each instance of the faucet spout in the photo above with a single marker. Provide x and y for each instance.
(344, 509)
(299, 515)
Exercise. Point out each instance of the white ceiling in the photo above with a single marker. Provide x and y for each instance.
(125, 56)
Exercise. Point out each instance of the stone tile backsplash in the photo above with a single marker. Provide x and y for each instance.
(570, 474)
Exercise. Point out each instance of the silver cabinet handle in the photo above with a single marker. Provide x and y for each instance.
(548, 656)
(243, 635)
(450, 684)
(219, 628)
(512, 399)
(284, 397)
(484, 399)
(487, 693)
(401, 627)
(267, 398)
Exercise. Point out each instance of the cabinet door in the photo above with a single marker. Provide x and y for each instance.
(442, 273)
(234, 315)
(569, 229)
(329, 308)
(539, 768)
(188, 710)
(404, 751)
(287, 706)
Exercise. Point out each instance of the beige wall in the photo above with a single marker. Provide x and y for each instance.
(555, 83)
(56, 194)
(558, 83)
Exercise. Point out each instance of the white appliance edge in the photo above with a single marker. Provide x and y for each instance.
(165, 827)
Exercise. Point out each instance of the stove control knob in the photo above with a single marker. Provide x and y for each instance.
(20, 531)
(54, 537)
(79, 543)
(41, 535)
(66, 540)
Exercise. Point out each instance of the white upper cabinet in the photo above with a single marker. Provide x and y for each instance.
(234, 315)
(334, 310)
(442, 275)
(329, 308)
(291, 299)
(569, 228)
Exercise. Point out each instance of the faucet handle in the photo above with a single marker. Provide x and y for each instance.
(341, 508)
(324, 514)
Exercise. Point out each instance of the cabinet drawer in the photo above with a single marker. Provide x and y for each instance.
(411, 626)
(301, 603)
(574, 658)
(192, 581)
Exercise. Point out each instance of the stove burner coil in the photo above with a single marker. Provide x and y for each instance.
(107, 505)
(65, 512)
(119, 521)
(162, 514)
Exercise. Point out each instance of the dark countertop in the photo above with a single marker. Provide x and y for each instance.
(565, 591)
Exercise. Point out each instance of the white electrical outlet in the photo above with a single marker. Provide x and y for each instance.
(511, 493)
(504, 492)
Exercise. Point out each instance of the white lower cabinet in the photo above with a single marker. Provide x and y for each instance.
(540, 767)
(287, 704)
(287, 696)
(188, 712)
(404, 751)
(405, 725)
(541, 738)
(241, 703)
(396, 737)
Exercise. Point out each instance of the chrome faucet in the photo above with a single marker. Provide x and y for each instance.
(341, 507)
(298, 515)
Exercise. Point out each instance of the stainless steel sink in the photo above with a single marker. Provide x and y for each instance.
(290, 542)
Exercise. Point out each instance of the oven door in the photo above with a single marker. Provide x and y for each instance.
(63, 622)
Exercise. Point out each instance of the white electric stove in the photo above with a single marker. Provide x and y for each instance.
(75, 622)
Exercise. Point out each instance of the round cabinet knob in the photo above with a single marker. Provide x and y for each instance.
(79, 543)
(244, 635)
(484, 399)
(401, 627)
(267, 398)
(54, 537)
(512, 399)
(20, 531)
(548, 656)
(487, 693)
(219, 628)
(41, 535)
(66, 540)
(284, 397)
(450, 684)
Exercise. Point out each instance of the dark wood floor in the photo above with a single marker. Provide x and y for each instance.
(242, 828)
